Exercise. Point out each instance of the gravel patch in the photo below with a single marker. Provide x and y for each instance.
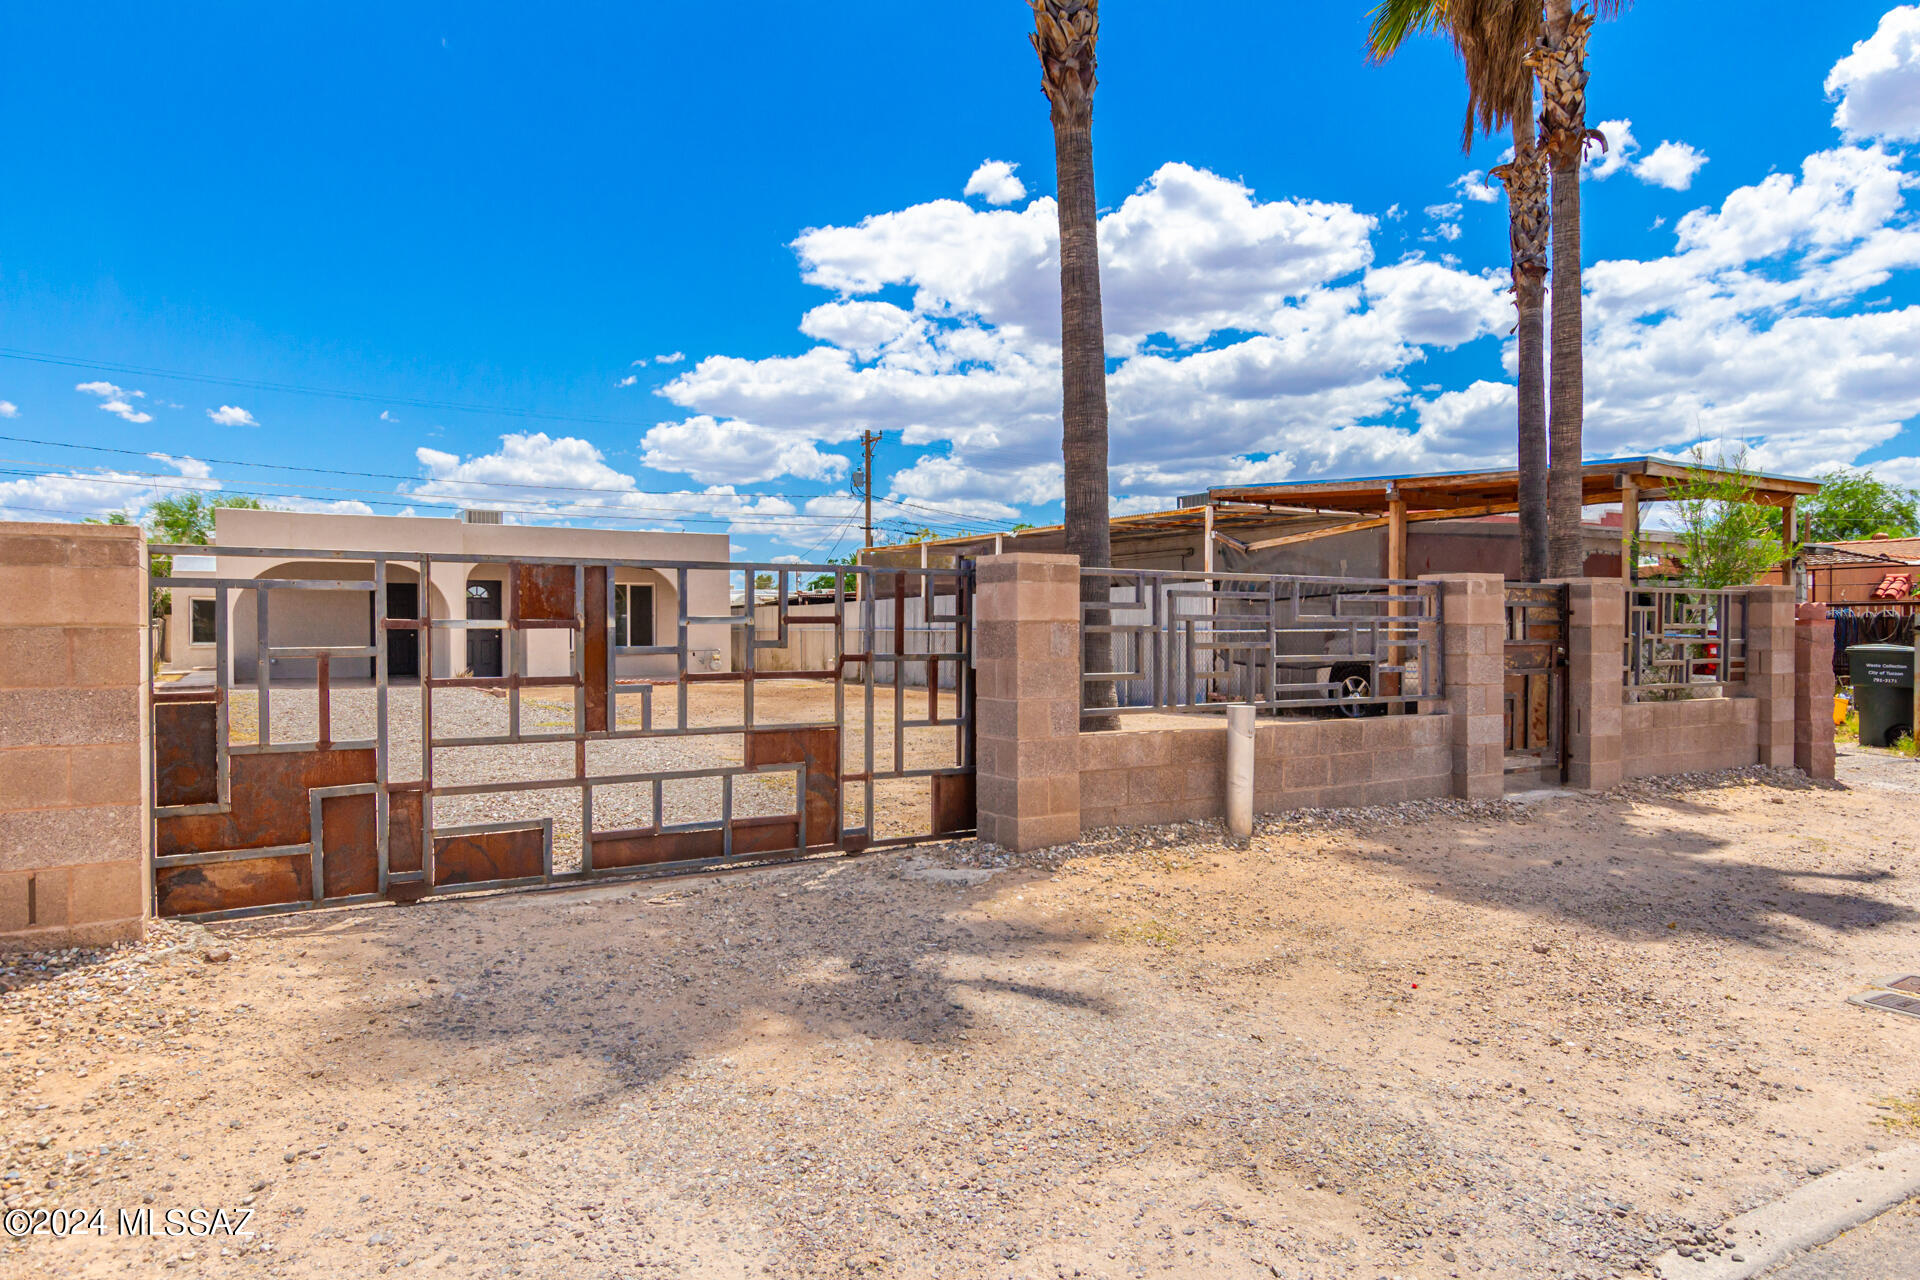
(1552, 1038)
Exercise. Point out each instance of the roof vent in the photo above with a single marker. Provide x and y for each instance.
(471, 516)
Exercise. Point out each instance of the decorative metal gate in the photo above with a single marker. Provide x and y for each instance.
(1536, 680)
(559, 721)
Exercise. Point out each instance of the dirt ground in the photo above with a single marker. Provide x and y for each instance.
(1540, 1037)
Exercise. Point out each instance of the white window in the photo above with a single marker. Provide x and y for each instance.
(200, 616)
(632, 614)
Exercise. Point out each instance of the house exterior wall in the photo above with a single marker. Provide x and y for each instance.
(73, 737)
(317, 618)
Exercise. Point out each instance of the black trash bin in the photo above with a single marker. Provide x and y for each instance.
(1882, 691)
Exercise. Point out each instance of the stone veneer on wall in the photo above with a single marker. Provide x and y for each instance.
(73, 734)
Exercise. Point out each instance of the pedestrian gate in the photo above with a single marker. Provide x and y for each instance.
(1536, 680)
(367, 726)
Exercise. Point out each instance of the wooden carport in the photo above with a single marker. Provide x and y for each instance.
(1394, 502)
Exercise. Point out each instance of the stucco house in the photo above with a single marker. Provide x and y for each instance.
(646, 600)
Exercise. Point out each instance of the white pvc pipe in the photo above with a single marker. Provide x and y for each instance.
(1240, 771)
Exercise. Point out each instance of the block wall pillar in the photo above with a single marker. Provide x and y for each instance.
(73, 735)
(1596, 645)
(1472, 637)
(1770, 671)
(1027, 700)
(1813, 691)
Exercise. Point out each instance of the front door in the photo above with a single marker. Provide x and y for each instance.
(403, 647)
(483, 645)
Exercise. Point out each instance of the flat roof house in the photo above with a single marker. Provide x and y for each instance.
(474, 585)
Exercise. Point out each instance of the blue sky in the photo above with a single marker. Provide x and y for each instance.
(474, 221)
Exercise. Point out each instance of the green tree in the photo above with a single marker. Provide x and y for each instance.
(184, 518)
(188, 517)
(824, 581)
(1730, 538)
(1853, 504)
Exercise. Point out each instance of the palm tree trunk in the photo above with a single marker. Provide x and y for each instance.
(1527, 211)
(1563, 79)
(1084, 384)
(1066, 33)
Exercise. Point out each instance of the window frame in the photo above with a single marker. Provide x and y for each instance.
(194, 618)
(623, 622)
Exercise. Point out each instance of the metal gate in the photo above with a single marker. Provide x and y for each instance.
(1536, 680)
(396, 726)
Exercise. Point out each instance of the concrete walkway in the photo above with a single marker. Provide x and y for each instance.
(1885, 1248)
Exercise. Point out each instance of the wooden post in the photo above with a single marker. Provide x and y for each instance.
(1629, 530)
(1787, 539)
(1396, 568)
(1396, 535)
(1206, 536)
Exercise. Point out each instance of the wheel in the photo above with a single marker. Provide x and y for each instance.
(1896, 733)
(1352, 683)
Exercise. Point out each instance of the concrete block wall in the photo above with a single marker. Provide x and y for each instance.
(73, 735)
(1027, 700)
(1813, 691)
(1770, 672)
(1473, 621)
(1596, 644)
(1041, 781)
(1177, 772)
(1697, 735)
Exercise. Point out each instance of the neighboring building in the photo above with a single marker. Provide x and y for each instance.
(1878, 572)
(646, 601)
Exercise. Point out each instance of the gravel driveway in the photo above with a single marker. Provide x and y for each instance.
(1433, 1040)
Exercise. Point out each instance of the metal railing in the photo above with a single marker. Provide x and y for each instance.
(1194, 642)
(1685, 641)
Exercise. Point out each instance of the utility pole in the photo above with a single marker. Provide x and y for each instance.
(868, 439)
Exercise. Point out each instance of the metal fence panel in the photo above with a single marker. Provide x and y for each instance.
(1685, 641)
(1194, 642)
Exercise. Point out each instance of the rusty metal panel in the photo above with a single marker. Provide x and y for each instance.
(542, 592)
(819, 750)
(641, 848)
(593, 649)
(186, 757)
(403, 831)
(228, 886)
(953, 808)
(269, 801)
(349, 845)
(474, 857)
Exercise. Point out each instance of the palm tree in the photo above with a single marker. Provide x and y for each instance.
(1560, 64)
(1493, 38)
(1065, 35)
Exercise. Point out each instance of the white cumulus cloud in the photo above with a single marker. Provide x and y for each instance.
(996, 183)
(8, 409)
(1878, 84)
(116, 400)
(1670, 165)
(1621, 146)
(1475, 186)
(232, 415)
